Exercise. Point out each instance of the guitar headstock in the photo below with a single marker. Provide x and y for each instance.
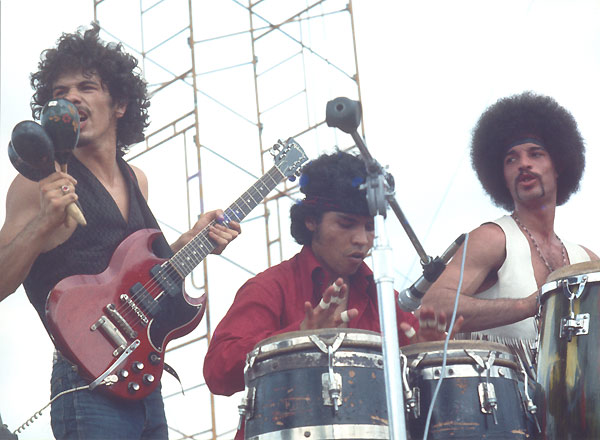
(289, 157)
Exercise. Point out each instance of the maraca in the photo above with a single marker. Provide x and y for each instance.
(31, 144)
(26, 170)
(60, 119)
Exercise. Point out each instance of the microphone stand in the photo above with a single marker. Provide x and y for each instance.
(345, 114)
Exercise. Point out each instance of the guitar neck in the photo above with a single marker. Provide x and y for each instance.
(196, 250)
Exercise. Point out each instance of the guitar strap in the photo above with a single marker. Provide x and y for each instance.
(160, 246)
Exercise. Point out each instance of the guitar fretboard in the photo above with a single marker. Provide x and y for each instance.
(192, 254)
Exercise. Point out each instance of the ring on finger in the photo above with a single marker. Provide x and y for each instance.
(65, 189)
(410, 332)
(324, 305)
(345, 317)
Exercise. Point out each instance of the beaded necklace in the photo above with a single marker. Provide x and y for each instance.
(536, 246)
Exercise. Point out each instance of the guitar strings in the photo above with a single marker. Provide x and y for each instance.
(153, 287)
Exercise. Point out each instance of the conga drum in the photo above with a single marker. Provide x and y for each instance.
(568, 359)
(318, 384)
(485, 394)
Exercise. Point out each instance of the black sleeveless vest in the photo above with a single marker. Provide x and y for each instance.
(89, 249)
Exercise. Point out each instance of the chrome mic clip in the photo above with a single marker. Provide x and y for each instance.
(409, 299)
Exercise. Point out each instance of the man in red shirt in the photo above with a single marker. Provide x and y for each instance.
(326, 285)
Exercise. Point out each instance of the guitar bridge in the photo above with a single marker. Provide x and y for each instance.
(120, 321)
(112, 332)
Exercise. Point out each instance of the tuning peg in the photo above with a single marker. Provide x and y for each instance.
(60, 119)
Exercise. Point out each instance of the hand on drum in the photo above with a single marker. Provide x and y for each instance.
(432, 326)
(330, 312)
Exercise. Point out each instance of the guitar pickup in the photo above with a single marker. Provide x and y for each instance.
(108, 329)
(167, 280)
(144, 300)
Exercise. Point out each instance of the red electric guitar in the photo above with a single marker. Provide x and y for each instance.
(115, 325)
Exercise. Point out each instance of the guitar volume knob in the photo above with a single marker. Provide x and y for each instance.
(123, 374)
(148, 379)
(137, 366)
(133, 387)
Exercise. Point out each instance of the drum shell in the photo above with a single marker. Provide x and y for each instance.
(569, 372)
(289, 394)
(457, 410)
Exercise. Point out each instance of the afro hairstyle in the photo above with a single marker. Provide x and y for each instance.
(524, 116)
(335, 177)
(117, 70)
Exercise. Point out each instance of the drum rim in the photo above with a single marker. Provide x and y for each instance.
(300, 340)
(549, 287)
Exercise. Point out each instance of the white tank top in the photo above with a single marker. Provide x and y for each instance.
(516, 279)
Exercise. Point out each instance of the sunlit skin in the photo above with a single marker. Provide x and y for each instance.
(340, 243)
(97, 111)
(530, 174)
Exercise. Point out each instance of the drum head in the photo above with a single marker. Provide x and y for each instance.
(574, 270)
(431, 353)
(461, 344)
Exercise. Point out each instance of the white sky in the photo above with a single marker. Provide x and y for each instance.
(428, 69)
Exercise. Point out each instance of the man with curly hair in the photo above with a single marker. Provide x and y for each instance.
(41, 245)
(326, 285)
(529, 156)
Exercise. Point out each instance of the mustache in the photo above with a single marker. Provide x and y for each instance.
(526, 173)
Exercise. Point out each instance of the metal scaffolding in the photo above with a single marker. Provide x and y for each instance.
(227, 80)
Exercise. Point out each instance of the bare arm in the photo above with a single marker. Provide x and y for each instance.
(221, 235)
(36, 221)
(485, 255)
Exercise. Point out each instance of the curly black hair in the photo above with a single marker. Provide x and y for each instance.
(117, 70)
(527, 115)
(333, 180)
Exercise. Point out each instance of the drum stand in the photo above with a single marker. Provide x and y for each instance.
(345, 114)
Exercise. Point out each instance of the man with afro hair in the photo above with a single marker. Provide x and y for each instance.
(326, 285)
(529, 156)
(40, 244)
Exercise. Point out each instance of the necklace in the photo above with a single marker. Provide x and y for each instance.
(537, 248)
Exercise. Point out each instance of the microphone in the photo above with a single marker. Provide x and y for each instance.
(409, 299)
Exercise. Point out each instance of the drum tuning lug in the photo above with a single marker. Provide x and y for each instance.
(331, 390)
(575, 326)
(246, 408)
(412, 396)
(413, 403)
(487, 399)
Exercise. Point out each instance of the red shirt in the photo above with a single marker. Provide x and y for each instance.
(272, 303)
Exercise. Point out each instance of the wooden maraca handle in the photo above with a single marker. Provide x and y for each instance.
(73, 209)
(75, 213)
